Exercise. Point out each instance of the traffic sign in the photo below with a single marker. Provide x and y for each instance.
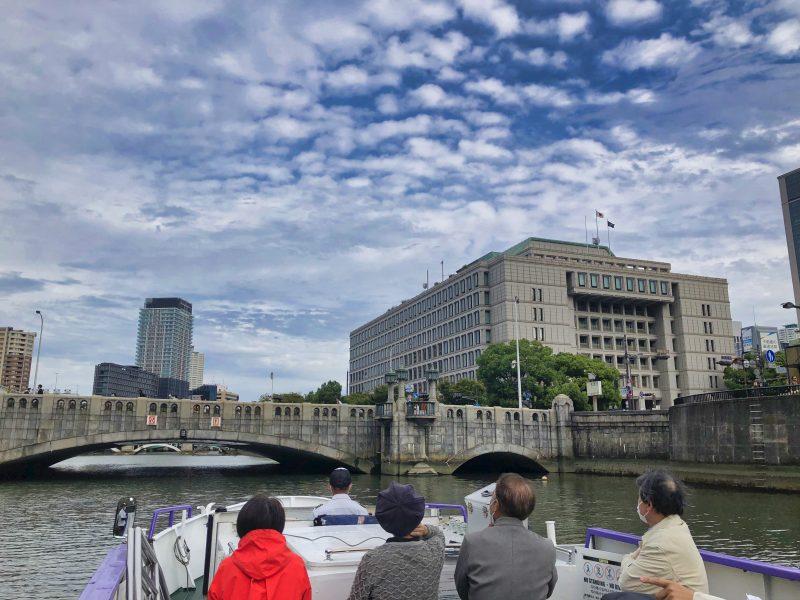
(770, 356)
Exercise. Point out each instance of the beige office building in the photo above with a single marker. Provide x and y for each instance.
(572, 297)
(196, 367)
(16, 353)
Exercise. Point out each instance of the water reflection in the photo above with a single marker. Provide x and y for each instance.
(58, 528)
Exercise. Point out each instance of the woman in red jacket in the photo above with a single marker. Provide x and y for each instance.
(262, 567)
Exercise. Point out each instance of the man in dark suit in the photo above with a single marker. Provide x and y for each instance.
(507, 560)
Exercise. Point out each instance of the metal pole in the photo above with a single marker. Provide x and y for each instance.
(39, 350)
(629, 390)
(516, 335)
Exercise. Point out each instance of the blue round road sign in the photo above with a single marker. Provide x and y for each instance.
(770, 356)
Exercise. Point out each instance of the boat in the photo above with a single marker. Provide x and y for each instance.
(179, 561)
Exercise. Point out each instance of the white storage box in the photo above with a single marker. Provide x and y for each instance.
(478, 508)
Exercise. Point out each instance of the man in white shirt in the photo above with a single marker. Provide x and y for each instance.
(340, 483)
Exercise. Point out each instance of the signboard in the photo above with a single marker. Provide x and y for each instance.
(594, 388)
(152, 420)
(770, 356)
(747, 339)
(216, 421)
(769, 341)
(600, 571)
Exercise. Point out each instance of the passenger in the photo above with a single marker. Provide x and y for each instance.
(506, 560)
(340, 483)
(667, 549)
(672, 590)
(262, 566)
(409, 565)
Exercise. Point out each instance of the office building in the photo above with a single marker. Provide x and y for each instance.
(211, 392)
(16, 353)
(127, 381)
(789, 187)
(164, 342)
(172, 387)
(760, 338)
(737, 338)
(196, 366)
(572, 297)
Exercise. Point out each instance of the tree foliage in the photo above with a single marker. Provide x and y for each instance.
(544, 375)
(379, 395)
(287, 397)
(329, 392)
(464, 391)
(739, 377)
(357, 398)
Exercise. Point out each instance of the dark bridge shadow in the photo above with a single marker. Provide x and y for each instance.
(501, 462)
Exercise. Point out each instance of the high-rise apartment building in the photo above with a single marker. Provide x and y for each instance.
(572, 297)
(196, 367)
(164, 342)
(789, 186)
(16, 352)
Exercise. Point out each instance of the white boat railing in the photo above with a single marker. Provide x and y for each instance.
(144, 580)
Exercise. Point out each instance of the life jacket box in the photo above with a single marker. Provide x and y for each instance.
(477, 504)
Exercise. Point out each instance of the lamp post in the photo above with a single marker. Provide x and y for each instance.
(39, 350)
(516, 336)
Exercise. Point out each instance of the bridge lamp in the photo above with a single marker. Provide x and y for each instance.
(401, 374)
(789, 305)
(432, 374)
(390, 378)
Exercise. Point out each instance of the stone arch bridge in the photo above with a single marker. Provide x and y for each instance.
(39, 430)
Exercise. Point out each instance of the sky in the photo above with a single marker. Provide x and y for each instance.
(293, 168)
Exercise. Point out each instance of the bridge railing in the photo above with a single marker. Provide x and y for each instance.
(745, 393)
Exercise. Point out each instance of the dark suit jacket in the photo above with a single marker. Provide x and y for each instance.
(506, 562)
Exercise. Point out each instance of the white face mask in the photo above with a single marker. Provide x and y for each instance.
(642, 518)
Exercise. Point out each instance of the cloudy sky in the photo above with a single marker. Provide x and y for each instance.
(293, 168)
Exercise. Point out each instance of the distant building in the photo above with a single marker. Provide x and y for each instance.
(573, 297)
(788, 334)
(759, 338)
(171, 386)
(164, 341)
(127, 381)
(737, 338)
(211, 392)
(196, 367)
(16, 353)
(789, 186)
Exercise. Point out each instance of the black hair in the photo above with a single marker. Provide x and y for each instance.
(260, 512)
(340, 479)
(663, 491)
(515, 496)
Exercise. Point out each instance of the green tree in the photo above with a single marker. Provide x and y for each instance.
(357, 398)
(544, 375)
(468, 391)
(379, 395)
(287, 397)
(329, 392)
(739, 377)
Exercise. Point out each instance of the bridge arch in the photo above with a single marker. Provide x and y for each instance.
(498, 458)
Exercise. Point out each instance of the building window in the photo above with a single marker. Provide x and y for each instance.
(642, 285)
(618, 283)
(629, 284)
(582, 279)
(653, 286)
(593, 280)
(606, 282)
(664, 288)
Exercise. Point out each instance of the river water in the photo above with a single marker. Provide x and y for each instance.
(55, 530)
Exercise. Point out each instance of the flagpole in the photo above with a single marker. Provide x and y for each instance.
(608, 232)
(586, 227)
(597, 226)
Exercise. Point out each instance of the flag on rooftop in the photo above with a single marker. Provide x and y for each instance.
(599, 215)
(610, 224)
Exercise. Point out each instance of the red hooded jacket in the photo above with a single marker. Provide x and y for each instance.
(261, 568)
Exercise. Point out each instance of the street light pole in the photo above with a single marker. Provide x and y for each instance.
(39, 350)
(516, 335)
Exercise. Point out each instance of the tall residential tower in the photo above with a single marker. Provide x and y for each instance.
(16, 351)
(572, 297)
(164, 342)
(196, 368)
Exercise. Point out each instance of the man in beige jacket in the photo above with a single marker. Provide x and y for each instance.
(667, 550)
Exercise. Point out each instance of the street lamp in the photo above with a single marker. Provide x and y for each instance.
(516, 335)
(39, 351)
(789, 305)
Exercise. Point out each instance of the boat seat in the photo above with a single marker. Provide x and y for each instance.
(345, 520)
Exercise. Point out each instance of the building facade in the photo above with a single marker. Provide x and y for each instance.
(737, 338)
(196, 367)
(211, 392)
(172, 387)
(789, 187)
(126, 381)
(164, 341)
(787, 334)
(16, 354)
(759, 338)
(573, 298)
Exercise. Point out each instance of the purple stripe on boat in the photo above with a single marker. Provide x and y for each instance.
(745, 564)
(103, 584)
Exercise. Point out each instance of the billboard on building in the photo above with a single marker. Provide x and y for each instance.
(747, 340)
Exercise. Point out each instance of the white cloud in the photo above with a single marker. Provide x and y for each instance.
(728, 32)
(785, 38)
(387, 104)
(664, 51)
(545, 95)
(450, 74)
(540, 57)
(432, 96)
(495, 89)
(395, 15)
(567, 26)
(627, 12)
(425, 51)
(135, 77)
(338, 34)
(635, 96)
(264, 97)
(484, 150)
(353, 77)
(500, 16)
(286, 127)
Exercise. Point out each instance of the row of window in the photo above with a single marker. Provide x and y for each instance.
(23, 403)
(334, 412)
(708, 327)
(628, 284)
(617, 308)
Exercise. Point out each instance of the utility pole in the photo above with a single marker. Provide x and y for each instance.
(516, 335)
(39, 350)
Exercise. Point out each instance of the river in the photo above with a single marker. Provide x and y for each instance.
(55, 530)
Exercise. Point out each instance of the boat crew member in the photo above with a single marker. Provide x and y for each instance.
(667, 550)
(409, 564)
(262, 566)
(507, 560)
(340, 483)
